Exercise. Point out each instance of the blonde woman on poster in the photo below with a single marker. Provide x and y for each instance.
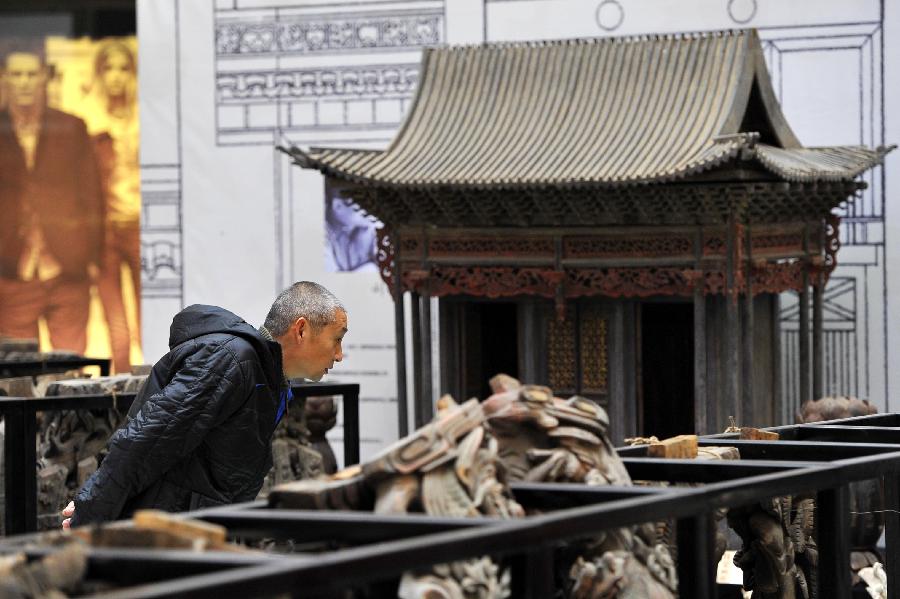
(112, 118)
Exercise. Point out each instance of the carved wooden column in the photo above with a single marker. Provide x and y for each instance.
(749, 417)
(732, 327)
(778, 407)
(416, 318)
(400, 343)
(701, 418)
(818, 340)
(426, 402)
(803, 316)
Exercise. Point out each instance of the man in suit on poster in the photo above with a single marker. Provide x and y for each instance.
(51, 206)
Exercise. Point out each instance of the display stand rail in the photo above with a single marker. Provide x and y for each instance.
(821, 459)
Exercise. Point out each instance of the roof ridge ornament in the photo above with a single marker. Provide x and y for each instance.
(748, 139)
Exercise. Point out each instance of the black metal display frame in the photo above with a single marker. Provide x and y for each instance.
(19, 448)
(15, 368)
(822, 459)
(349, 393)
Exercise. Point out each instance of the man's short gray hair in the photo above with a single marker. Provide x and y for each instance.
(307, 299)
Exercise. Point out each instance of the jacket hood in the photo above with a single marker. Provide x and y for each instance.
(198, 320)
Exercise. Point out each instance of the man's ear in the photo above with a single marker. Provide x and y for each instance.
(302, 326)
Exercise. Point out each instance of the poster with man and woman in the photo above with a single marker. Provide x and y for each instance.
(70, 204)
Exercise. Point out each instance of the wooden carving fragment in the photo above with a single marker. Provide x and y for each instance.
(756, 434)
(163, 521)
(709, 452)
(158, 530)
(680, 447)
(20, 386)
(52, 576)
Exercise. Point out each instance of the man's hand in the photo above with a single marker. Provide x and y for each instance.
(67, 513)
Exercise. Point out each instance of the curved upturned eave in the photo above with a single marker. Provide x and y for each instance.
(588, 113)
(841, 163)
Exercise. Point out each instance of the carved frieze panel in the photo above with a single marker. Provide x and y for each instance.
(714, 244)
(628, 282)
(776, 277)
(313, 35)
(524, 247)
(491, 282)
(612, 246)
(776, 243)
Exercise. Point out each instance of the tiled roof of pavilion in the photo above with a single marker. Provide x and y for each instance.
(607, 111)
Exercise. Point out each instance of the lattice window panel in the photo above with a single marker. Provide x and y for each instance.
(594, 358)
(561, 352)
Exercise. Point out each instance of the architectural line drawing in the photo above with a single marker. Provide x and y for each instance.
(850, 341)
(339, 33)
(610, 15)
(742, 11)
(298, 75)
(162, 267)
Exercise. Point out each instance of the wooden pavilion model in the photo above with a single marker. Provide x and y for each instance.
(612, 217)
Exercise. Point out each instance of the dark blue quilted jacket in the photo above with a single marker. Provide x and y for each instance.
(199, 433)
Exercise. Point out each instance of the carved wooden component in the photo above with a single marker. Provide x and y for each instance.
(212, 534)
(680, 447)
(756, 434)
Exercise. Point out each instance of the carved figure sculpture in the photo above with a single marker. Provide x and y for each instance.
(779, 556)
(549, 439)
(300, 450)
(321, 416)
(866, 496)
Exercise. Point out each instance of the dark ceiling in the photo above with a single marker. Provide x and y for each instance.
(71, 18)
